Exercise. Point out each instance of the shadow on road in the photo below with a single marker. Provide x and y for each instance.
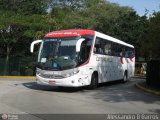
(115, 92)
(155, 111)
(35, 86)
(110, 92)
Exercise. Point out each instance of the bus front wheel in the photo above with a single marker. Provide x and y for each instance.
(94, 82)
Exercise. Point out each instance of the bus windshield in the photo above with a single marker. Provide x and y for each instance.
(58, 53)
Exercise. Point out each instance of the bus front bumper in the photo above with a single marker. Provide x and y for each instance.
(73, 81)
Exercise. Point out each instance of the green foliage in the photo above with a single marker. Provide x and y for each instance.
(25, 7)
(100, 15)
(151, 42)
(15, 73)
(19, 28)
(29, 72)
(23, 21)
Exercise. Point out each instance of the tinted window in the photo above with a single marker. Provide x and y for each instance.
(102, 46)
(97, 47)
(129, 52)
(116, 49)
(107, 47)
(85, 50)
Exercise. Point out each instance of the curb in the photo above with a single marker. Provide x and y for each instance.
(18, 77)
(139, 76)
(147, 90)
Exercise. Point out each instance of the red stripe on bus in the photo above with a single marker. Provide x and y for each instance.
(69, 33)
(131, 59)
(121, 60)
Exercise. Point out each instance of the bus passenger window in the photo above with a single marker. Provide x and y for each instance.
(123, 52)
(129, 52)
(97, 47)
(107, 49)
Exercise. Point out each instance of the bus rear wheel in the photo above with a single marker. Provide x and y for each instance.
(125, 77)
(94, 82)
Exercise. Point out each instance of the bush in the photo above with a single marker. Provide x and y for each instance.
(15, 73)
(29, 72)
(1, 73)
(153, 73)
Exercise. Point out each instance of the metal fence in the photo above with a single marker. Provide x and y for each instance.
(25, 66)
(18, 66)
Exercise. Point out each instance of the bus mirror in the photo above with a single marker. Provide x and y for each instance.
(78, 45)
(33, 43)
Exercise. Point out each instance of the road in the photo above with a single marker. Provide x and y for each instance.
(18, 96)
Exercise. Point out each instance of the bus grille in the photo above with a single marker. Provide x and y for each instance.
(52, 76)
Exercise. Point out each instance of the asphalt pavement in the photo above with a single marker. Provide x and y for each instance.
(23, 97)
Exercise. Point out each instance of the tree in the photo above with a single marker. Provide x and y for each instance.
(150, 45)
(16, 30)
(120, 22)
(22, 21)
(25, 7)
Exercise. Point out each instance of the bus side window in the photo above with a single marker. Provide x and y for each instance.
(130, 52)
(126, 52)
(107, 48)
(123, 52)
(119, 50)
(115, 48)
(102, 46)
(97, 46)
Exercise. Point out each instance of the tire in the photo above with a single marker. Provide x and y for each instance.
(125, 78)
(94, 82)
(61, 87)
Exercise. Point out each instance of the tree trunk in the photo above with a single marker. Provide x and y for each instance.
(7, 60)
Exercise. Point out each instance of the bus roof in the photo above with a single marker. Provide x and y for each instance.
(81, 32)
(107, 37)
(69, 33)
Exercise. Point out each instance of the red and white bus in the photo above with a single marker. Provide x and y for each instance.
(74, 58)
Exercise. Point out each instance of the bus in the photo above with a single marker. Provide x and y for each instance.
(81, 57)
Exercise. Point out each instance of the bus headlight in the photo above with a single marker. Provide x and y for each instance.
(72, 73)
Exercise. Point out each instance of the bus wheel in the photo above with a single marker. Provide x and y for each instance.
(125, 78)
(94, 82)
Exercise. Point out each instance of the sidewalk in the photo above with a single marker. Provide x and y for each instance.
(143, 86)
(139, 76)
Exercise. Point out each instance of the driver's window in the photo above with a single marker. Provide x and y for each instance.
(85, 50)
